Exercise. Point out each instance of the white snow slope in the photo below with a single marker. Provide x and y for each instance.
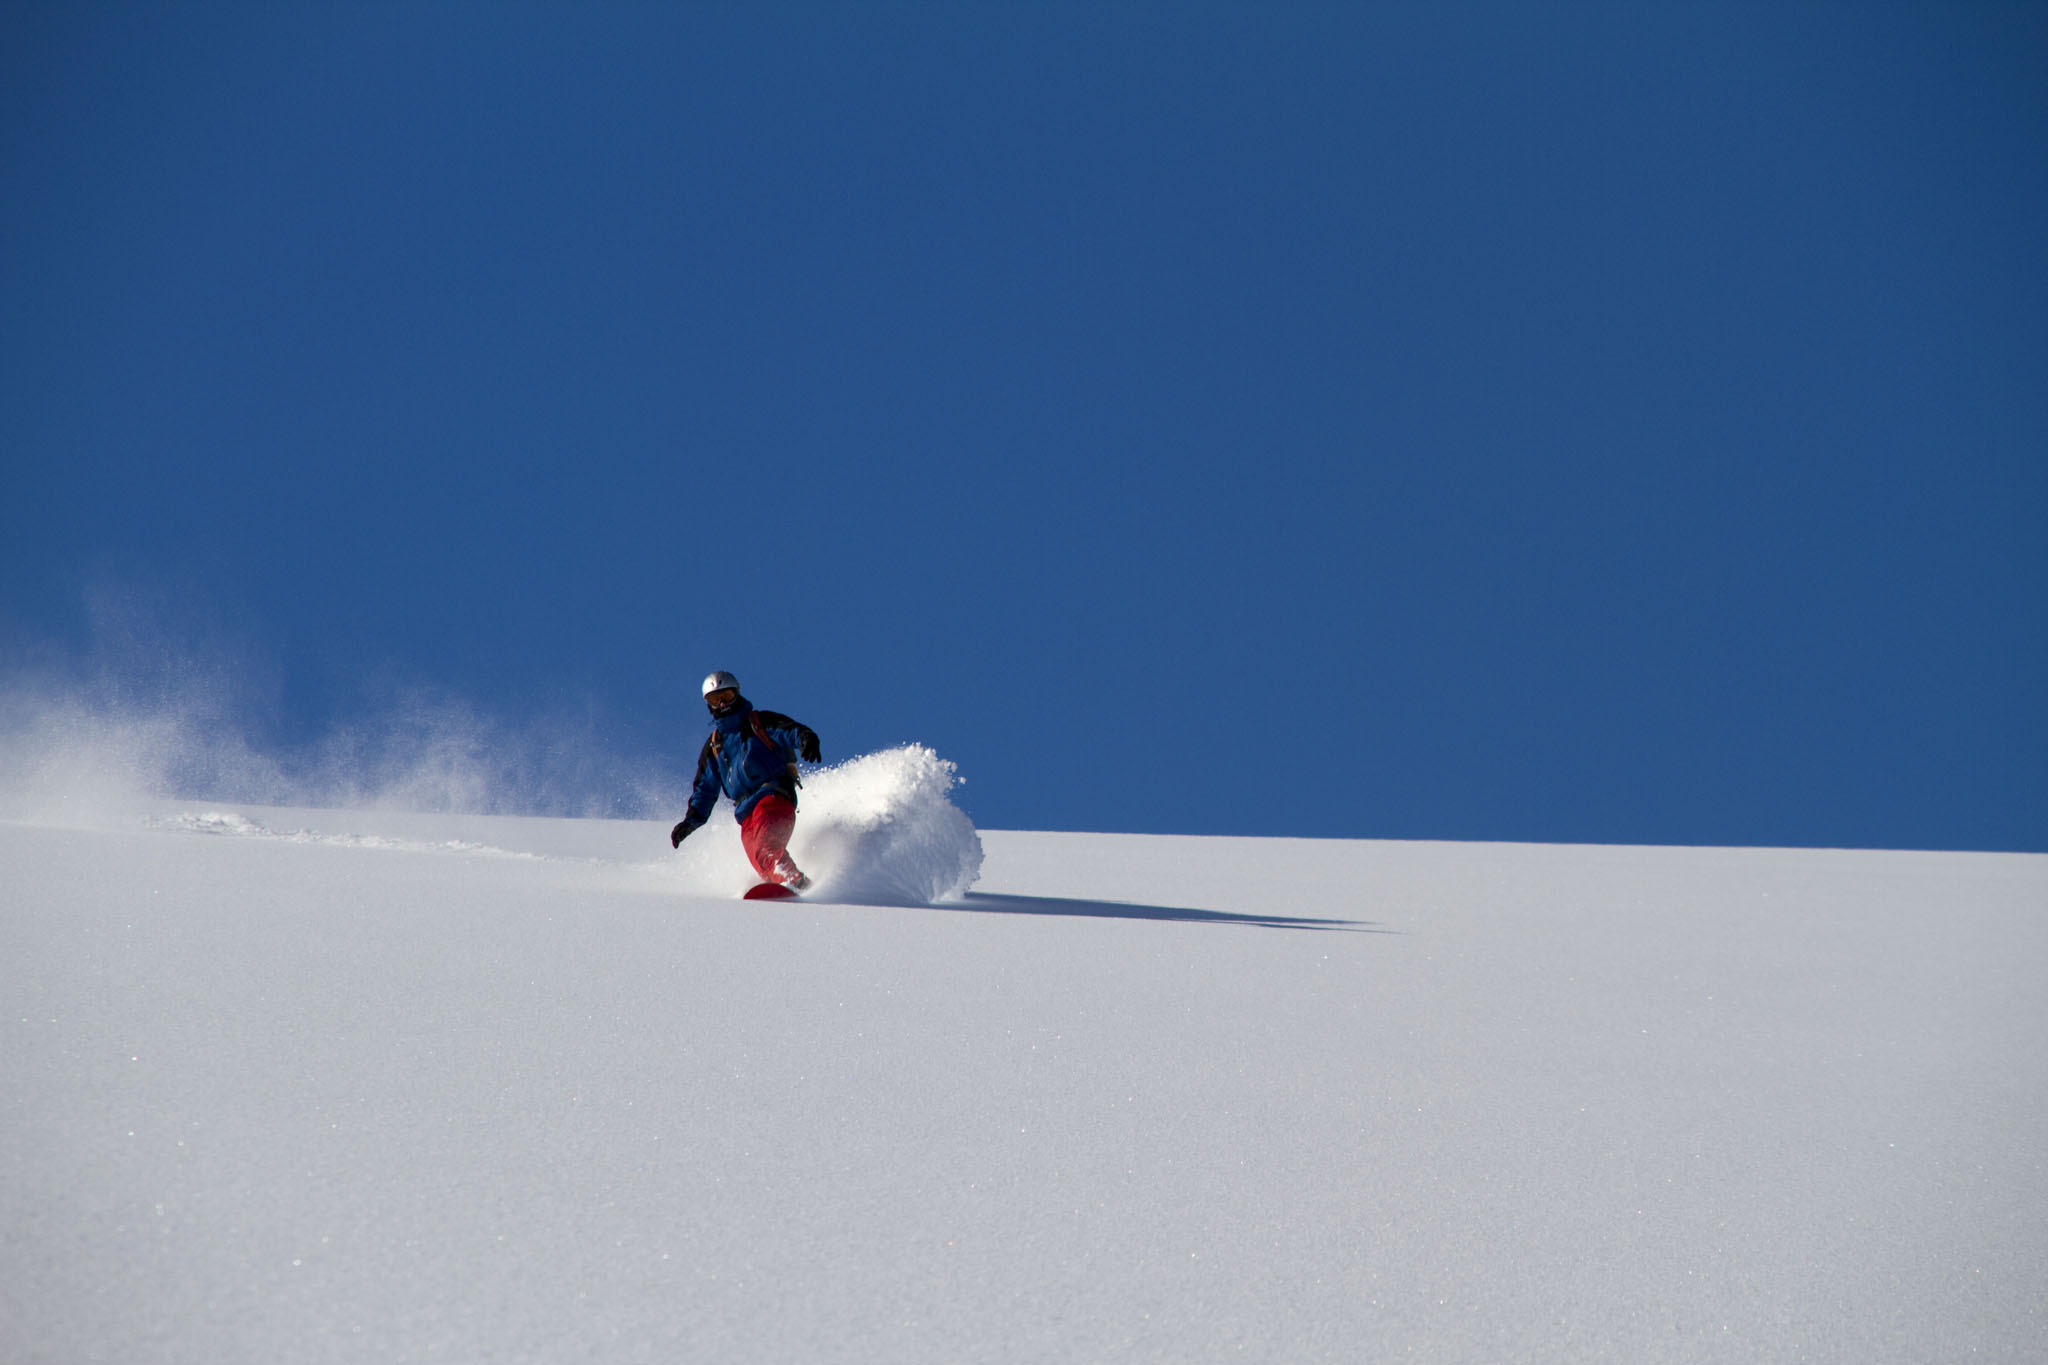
(324, 1085)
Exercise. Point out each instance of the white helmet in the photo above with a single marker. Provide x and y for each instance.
(720, 680)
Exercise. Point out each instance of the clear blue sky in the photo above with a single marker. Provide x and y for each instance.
(1621, 422)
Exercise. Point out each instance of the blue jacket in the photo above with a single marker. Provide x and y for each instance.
(748, 755)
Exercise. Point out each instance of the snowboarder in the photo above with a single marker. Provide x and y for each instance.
(751, 756)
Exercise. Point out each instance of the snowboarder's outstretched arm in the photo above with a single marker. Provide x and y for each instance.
(703, 798)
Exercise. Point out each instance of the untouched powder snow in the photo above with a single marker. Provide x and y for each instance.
(345, 1086)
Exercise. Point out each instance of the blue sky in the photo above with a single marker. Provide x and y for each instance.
(1619, 423)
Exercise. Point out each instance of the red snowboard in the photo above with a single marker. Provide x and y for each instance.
(769, 891)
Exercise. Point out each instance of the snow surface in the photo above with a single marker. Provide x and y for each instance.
(337, 1085)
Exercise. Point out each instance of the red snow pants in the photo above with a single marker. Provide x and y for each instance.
(765, 836)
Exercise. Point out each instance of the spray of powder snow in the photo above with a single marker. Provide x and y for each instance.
(85, 760)
(881, 829)
(167, 706)
(167, 699)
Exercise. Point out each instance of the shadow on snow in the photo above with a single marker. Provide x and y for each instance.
(992, 904)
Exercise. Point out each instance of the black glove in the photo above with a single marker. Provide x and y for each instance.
(808, 746)
(680, 833)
